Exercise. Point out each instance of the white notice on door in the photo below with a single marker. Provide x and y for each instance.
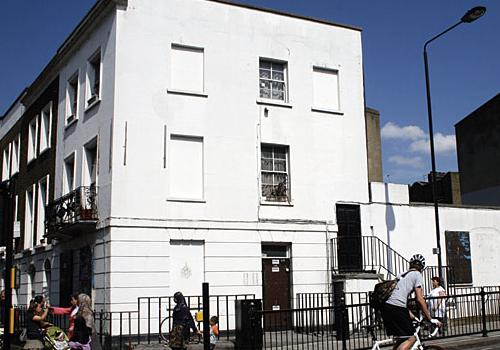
(276, 261)
(276, 269)
(276, 307)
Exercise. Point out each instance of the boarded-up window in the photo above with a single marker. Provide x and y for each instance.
(458, 256)
(326, 89)
(185, 167)
(187, 68)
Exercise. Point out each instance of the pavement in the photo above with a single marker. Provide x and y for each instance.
(471, 342)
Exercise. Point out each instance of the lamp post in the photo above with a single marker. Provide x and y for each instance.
(470, 16)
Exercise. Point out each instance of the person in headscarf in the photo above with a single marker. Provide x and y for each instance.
(86, 312)
(182, 322)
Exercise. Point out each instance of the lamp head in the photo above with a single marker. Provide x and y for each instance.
(473, 14)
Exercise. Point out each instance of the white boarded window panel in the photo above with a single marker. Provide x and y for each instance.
(187, 270)
(326, 88)
(187, 68)
(186, 167)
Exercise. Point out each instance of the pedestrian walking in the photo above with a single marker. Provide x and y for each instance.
(182, 322)
(437, 302)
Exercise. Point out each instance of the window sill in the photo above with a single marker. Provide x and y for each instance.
(187, 93)
(276, 204)
(326, 110)
(69, 124)
(92, 105)
(187, 200)
(277, 103)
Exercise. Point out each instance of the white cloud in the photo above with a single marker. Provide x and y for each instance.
(410, 132)
(413, 162)
(443, 144)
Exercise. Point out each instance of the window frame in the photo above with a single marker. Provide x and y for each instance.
(45, 179)
(286, 95)
(72, 115)
(175, 89)
(15, 152)
(191, 138)
(276, 199)
(70, 187)
(86, 175)
(28, 243)
(46, 132)
(92, 98)
(32, 140)
(327, 109)
(6, 162)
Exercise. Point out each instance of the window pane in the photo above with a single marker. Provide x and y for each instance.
(267, 152)
(267, 190)
(264, 73)
(280, 153)
(265, 64)
(278, 66)
(280, 165)
(267, 164)
(267, 178)
(277, 86)
(278, 95)
(278, 76)
(265, 93)
(279, 178)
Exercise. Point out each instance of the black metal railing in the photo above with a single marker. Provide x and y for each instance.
(378, 257)
(79, 205)
(155, 313)
(344, 326)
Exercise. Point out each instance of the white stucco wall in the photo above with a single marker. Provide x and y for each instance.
(326, 162)
(411, 229)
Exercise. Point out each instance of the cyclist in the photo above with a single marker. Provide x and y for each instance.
(395, 312)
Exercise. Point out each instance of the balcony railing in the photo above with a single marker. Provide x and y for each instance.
(78, 206)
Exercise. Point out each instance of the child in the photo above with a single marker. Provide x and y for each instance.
(214, 331)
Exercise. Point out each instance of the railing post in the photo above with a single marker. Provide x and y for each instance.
(483, 311)
(206, 316)
(343, 321)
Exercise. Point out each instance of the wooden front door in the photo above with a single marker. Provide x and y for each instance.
(349, 246)
(276, 290)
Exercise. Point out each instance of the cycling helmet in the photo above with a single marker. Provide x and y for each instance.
(418, 260)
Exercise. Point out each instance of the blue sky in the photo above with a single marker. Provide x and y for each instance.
(464, 64)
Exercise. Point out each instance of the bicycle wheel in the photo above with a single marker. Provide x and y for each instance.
(163, 334)
(433, 347)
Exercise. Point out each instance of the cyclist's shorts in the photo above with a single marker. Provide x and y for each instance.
(397, 321)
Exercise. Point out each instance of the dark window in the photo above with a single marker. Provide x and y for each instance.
(459, 256)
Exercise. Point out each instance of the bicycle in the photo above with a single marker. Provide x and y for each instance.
(419, 345)
(164, 335)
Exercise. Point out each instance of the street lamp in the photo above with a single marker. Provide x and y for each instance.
(470, 16)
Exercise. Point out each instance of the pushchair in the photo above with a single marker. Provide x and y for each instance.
(55, 339)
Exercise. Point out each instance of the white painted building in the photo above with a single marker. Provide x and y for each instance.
(222, 140)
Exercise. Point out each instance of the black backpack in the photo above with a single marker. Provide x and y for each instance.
(382, 291)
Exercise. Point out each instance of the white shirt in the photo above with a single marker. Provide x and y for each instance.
(437, 307)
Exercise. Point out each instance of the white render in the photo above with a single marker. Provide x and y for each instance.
(140, 110)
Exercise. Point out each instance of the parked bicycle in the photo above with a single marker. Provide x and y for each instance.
(164, 333)
(419, 345)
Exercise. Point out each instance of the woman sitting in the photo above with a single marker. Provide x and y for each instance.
(35, 318)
